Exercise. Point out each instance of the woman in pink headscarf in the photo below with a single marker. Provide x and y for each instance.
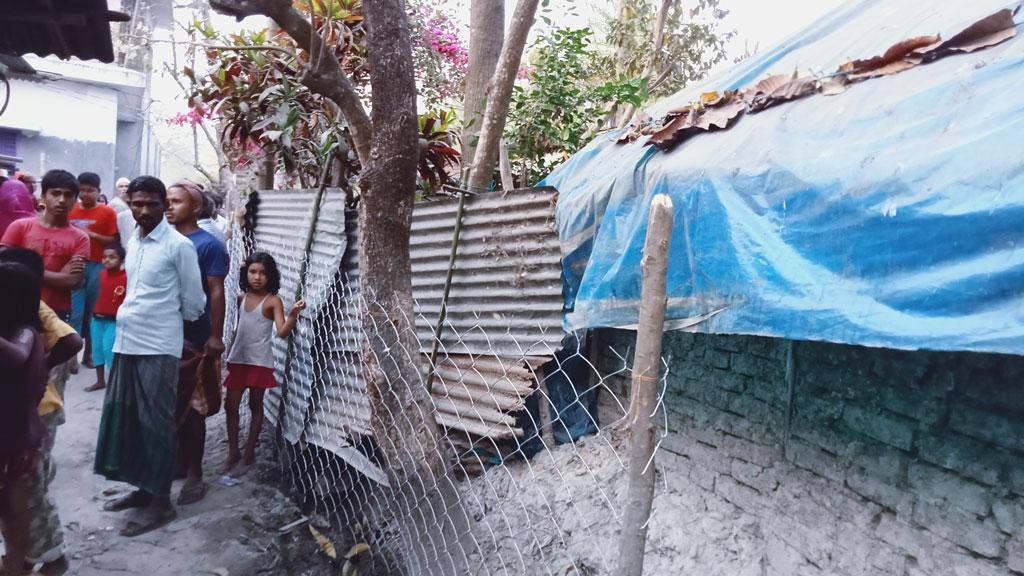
(16, 202)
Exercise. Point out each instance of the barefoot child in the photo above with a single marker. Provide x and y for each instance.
(113, 284)
(23, 363)
(251, 358)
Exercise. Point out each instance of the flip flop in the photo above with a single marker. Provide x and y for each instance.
(134, 528)
(58, 567)
(95, 386)
(135, 499)
(192, 494)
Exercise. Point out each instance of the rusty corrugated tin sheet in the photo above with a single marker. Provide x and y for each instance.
(477, 394)
(504, 317)
(339, 414)
(342, 388)
(66, 28)
(506, 293)
(283, 224)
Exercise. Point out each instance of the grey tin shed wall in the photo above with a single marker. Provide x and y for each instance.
(506, 294)
(283, 224)
(504, 315)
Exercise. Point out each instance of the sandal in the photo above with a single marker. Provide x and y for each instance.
(153, 521)
(192, 494)
(136, 499)
(58, 567)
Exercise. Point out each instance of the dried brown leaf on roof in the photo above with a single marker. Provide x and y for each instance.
(772, 83)
(767, 85)
(894, 67)
(720, 116)
(988, 31)
(694, 119)
(674, 129)
(899, 57)
(717, 111)
(636, 129)
(776, 89)
(712, 98)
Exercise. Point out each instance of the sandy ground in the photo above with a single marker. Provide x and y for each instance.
(234, 530)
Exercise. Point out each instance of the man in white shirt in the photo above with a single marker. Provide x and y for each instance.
(208, 218)
(125, 227)
(138, 432)
(119, 202)
(125, 218)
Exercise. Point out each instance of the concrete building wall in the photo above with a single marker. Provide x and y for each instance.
(833, 459)
(129, 141)
(64, 124)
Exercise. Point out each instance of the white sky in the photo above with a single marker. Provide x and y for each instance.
(758, 22)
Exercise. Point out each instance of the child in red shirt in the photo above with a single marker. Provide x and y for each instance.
(102, 329)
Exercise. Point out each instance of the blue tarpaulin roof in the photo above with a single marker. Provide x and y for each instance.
(891, 214)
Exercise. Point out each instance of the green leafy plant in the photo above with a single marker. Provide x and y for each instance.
(255, 98)
(252, 90)
(441, 158)
(561, 106)
(691, 42)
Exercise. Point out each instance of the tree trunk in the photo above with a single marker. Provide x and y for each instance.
(625, 12)
(403, 412)
(402, 407)
(268, 165)
(486, 35)
(500, 95)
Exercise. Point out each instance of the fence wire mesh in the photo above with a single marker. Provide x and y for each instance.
(532, 452)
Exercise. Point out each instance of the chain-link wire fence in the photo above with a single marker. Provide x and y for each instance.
(530, 443)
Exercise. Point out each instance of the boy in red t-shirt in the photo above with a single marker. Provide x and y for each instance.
(100, 223)
(63, 247)
(113, 283)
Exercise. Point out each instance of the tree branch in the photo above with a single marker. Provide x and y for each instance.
(324, 76)
(206, 131)
(486, 36)
(500, 94)
(627, 114)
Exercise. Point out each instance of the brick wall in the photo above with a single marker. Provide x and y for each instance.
(845, 460)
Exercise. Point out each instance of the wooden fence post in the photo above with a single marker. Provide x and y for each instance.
(644, 396)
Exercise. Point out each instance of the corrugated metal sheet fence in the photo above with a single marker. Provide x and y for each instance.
(517, 492)
(504, 312)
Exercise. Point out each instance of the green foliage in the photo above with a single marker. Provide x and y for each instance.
(556, 113)
(691, 44)
(260, 105)
(441, 158)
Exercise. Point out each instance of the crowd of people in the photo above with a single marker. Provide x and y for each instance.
(137, 285)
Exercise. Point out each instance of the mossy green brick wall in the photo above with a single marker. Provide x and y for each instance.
(851, 460)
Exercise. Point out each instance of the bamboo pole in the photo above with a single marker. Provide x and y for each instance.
(505, 168)
(644, 397)
(439, 327)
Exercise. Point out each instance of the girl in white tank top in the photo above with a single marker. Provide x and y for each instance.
(251, 356)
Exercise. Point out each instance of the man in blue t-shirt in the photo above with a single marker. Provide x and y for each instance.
(204, 340)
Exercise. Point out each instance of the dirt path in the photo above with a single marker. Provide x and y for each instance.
(232, 531)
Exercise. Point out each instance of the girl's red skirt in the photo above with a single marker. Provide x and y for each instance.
(242, 376)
